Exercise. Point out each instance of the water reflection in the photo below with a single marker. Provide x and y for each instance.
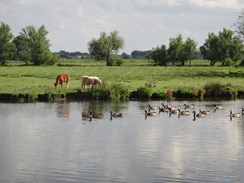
(36, 147)
(63, 110)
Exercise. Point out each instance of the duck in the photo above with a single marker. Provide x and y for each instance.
(204, 112)
(152, 107)
(234, 115)
(183, 113)
(115, 114)
(190, 106)
(150, 113)
(199, 115)
(217, 107)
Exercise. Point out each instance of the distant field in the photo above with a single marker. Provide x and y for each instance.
(19, 78)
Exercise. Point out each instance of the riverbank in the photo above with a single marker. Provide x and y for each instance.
(36, 83)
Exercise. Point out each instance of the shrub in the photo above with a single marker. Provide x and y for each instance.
(229, 62)
(214, 89)
(116, 62)
(118, 92)
(141, 93)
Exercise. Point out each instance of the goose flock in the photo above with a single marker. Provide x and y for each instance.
(166, 108)
(186, 111)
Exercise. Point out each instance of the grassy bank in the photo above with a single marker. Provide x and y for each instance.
(133, 74)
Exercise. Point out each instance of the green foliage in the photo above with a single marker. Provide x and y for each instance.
(159, 55)
(106, 47)
(53, 59)
(141, 93)
(229, 62)
(116, 62)
(119, 92)
(6, 46)
(32, 45)
(214, 89)
(225, 45)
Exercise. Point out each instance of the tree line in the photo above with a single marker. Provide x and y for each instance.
(32, 46)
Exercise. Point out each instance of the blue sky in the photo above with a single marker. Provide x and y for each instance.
(143, 24)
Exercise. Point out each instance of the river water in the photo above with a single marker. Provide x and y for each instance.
(52, 143)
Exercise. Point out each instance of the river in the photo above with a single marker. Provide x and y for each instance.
(53, 143)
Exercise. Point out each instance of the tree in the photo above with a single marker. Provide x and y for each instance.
(23, 50)
(210, 50)
(6, 45)
(175, 45)
(219, 48)
(188, 51)
(106, 47)
(159, 55)
(126, 56)
(239, 25)
(32, 44)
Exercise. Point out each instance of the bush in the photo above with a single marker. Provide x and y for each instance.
(229, 62)
(214, 89)
(141, 93)
(119, 92)
(53, 59)
(242, 62)
(116, 62)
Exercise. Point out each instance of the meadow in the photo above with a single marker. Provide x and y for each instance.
(17, 77)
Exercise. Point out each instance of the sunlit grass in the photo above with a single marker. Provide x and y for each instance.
(133, 74)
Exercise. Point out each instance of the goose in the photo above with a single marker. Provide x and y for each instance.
(199, 115)
(167, 106)
(86, 118)
(242, 110)
(190, 106)
(96, 115)
(204, 112)
(234, 115)
(217, 107)
(183, 113)
(149, 113)
(152, 107)
(116, 114)
(174, 111)
(164, 109)
(86, 114)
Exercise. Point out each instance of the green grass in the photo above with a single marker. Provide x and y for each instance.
(18, 78)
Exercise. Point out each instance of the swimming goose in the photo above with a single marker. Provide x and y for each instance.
(96, 115)
(164, 109)
(242, 110)
(149, 113)
(116, 114)
(86, 118)
(234, 115)
(199, 115)
(183, 113)
(152, 107)
(190, 106)
(168, 106)
(204, 112)
(174, 111)
(217, 107)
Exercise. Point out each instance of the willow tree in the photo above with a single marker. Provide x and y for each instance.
(6, 45)
(106, 47)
